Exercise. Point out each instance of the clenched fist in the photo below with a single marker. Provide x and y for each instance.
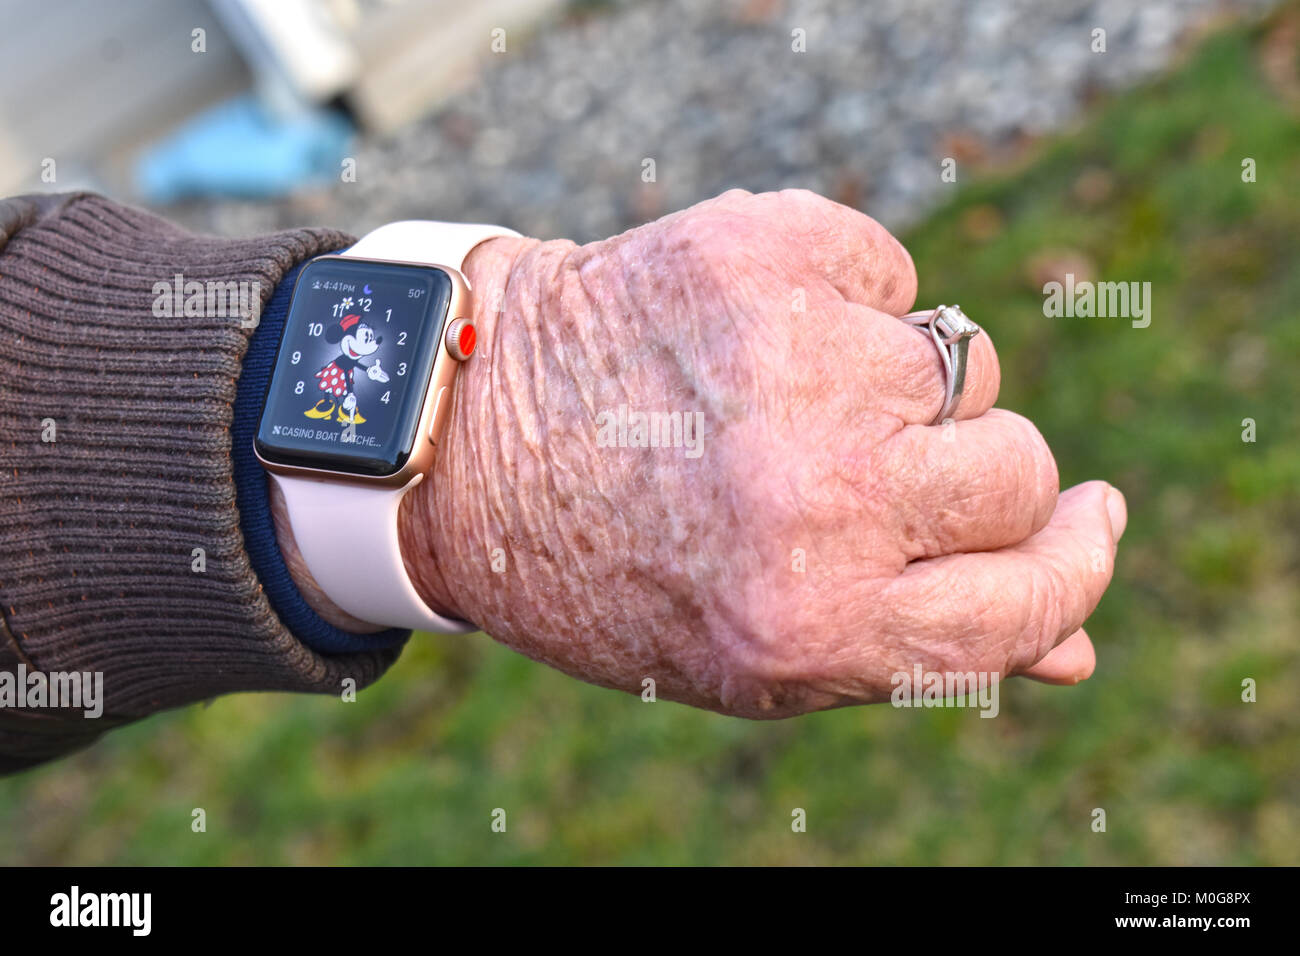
(804, 534)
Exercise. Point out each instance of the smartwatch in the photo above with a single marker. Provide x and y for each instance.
(358, 398)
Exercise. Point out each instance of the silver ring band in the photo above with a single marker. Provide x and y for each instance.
(951, 331)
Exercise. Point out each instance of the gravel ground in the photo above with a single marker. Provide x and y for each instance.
(553, 138)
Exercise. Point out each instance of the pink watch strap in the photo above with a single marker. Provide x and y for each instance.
(426, 242)
(362, 571)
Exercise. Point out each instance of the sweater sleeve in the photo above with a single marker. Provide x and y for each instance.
(121, 554)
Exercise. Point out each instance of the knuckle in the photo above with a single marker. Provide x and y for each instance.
(1032, 468)
(803, 200)
(708, 240)
(733, 200)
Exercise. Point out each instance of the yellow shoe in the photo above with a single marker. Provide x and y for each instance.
(318, 412)
(356, 419)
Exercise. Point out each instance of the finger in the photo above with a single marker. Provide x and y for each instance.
(1002, 611)
(976, 485)
(854, 253)
(860, 257)
(908, 378)
(1069, 662)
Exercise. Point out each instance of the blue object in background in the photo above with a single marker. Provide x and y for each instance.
(239, 148)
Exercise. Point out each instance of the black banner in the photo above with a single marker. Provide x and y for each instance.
(909, 905)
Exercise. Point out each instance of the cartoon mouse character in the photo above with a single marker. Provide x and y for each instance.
(355, 340)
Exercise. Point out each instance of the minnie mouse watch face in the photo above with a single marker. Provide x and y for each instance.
(352, 376)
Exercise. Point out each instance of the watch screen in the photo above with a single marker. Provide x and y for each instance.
(354, 362)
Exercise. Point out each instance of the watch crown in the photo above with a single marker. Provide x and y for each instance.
(461, 339)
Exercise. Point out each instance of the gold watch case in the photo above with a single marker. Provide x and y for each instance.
(437, 399)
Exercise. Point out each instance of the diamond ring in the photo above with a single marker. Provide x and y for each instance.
(951, 331)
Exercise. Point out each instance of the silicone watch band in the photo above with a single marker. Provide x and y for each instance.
(372, 584)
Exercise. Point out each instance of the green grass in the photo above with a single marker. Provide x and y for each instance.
(1205, 595)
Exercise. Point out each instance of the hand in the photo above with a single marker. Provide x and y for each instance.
(824, 539)
(350, 402)
(375, 373)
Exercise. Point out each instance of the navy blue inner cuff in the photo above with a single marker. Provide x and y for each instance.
(253, 496)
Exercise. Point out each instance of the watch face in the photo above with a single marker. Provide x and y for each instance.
(354, 363)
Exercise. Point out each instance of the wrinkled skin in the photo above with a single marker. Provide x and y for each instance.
(945, 546)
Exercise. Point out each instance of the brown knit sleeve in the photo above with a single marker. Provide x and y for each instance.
(115, 466)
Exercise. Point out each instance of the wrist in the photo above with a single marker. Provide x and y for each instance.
(428, 529)
(443, 525)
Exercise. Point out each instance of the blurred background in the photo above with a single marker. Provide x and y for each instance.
(1123, 163)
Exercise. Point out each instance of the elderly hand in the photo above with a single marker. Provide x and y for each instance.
(817, 537)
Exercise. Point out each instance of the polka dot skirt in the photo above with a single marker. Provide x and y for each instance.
(334, 380)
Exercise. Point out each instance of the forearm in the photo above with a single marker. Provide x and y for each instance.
(121, 550)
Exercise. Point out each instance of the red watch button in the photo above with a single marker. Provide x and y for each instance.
(461, 339)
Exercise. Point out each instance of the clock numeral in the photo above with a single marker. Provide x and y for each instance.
(295, 358)
(298, 388)
(388, 316)
(401, 338)
(315, 328)
(385, 397)
(401, 369)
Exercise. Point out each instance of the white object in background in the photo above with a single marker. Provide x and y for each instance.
(301, 44)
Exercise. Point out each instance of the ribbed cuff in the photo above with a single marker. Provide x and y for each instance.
(255, 503)
(120, 544)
